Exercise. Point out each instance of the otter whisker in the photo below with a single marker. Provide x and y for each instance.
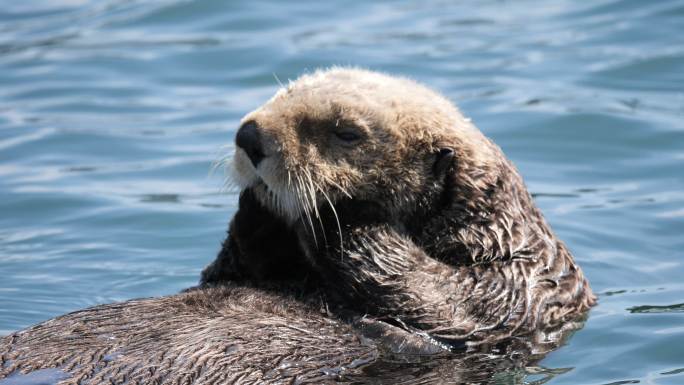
(339, 187)
(337, 219)
(294, 203)
(313, 188)
(317, 188)
(229, 186)
(312, 192)
(221, 159)
(285, 198)
(278, 80)
(306, 207)
(224, 162)
(301, 206)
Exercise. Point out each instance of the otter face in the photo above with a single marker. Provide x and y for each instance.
(344, 133)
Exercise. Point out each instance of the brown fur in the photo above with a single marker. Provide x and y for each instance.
(214, 336)
(457, 250)
(239, 335)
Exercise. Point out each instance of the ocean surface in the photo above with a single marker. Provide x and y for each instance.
(112, 112)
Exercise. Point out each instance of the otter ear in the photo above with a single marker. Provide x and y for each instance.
(443, 160)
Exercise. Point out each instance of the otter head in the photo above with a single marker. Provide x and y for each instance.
(351, 133)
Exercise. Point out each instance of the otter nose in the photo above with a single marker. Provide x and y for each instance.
(248, 139)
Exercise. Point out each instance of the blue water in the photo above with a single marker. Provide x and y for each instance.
(111, 112)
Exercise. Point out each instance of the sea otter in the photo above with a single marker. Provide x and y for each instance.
(374, 222)
(400, 205)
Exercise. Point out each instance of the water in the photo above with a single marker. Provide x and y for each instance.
(111, 113)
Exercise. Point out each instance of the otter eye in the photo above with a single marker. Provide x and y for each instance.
(347, 136)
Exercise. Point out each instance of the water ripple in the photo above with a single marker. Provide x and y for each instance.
(648, 309)
(112, 111)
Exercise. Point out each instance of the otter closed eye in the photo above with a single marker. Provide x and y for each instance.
(347, 136)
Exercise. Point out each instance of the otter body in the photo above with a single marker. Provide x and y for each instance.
(234, 335)
(215, 336)
(401, 208)
(375, 224)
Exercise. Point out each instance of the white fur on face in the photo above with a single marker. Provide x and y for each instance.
(267, 182)
(242, 171)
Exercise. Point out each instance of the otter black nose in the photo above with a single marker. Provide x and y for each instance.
(248, 139)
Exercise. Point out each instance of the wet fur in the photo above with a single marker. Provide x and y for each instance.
(454, 247)
(238, 335)
(214, 336)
